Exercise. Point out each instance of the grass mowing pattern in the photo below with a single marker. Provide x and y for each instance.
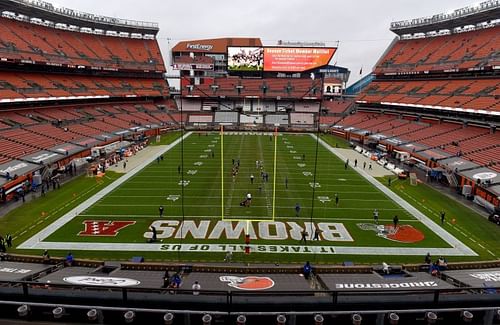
(139, 198)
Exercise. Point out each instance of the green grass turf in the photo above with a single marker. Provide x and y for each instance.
(334, 141)
(165, 138)
(465, 224)
(139, 198)
(36, 214)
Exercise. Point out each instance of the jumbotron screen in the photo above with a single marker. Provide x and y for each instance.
(245, 58)
(296, 59)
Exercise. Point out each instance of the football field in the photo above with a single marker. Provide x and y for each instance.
(202, 184)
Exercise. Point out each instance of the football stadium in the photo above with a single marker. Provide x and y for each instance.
(235, 181)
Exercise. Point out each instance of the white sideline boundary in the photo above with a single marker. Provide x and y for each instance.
(457, 247)
(437, 229)
(34, 241)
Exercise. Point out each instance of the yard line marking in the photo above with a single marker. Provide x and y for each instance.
(281, 218)
(218, 196)
(256, 206)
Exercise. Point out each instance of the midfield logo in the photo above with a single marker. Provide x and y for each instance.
(101, 228)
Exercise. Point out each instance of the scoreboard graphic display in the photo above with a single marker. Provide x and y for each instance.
(296, 59)
(278, 59)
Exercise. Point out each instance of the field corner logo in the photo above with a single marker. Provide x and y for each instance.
(403, 234)
(101, 281)
(248, 283)
(103, 228)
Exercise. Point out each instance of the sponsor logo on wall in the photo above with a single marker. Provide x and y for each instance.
(401, 285)
(101, 281)
(248, 283)
(493, 276)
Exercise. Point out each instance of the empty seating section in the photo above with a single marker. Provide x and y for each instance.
(251, 119)
(3, 125)
(337, 106)
(261, 88)
(62, 114)
(164, 117)
(307, 107)
(116, 122)
(472, 140)
(301, 118)
(54, 132)
(433, 131)
(452, 136)
(226, 117)
(179, 118)
(478, 94)
(276, 119)
(31, 85)
(30, 130)
(352, 120)
(150, 108)
(396, 128)
(190, 105)
(25, 41)
(16, 118)
(475, 143)
(102, 126)
(489, 157)
(474, 49)
(200, 118)
(84, 130)
(145, 118)
(14, 149)
(26, 137)
(329, 120)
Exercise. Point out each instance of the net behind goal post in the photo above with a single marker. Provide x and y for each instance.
(413, 179)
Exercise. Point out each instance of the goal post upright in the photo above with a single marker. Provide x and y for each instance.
(274, 171)
(222, 170)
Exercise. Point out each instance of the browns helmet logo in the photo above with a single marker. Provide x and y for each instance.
(248, 283)
(403, 233)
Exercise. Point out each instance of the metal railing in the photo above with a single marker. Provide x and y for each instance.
(458, 13)
(46, 6)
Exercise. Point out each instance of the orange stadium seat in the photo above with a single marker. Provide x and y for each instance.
(25, 41)
(464, 50)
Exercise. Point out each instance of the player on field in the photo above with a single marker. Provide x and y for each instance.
(395, 221)
(297, 209)
(317, 232)
(375, 216)
(304, 235)
(336, 200)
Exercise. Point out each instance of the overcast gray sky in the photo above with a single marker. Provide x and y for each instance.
(361, 27)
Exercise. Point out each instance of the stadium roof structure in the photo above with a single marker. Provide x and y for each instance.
(47, 11)
(486, 11)
(215, 45)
